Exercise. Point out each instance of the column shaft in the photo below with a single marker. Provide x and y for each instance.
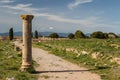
(27, 42)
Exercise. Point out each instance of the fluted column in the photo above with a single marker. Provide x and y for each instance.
(27, 42)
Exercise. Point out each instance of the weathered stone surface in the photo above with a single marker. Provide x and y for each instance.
(95, 55)
(27, 40)
(117, 60)
(115, 45)
(16, 48)
(10, 78)
(27, 17)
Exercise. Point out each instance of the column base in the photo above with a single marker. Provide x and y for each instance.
(27, 68)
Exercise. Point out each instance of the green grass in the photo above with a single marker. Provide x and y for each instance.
(106, 69)
(10, 63)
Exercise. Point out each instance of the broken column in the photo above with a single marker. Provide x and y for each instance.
(27, 42)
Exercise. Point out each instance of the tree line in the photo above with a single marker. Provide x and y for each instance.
(97, 34)
(78, 34)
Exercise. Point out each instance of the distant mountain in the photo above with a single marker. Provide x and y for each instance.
(15, 33)
(88, 34)
(4, 34)
(48, 33)
(40, 33)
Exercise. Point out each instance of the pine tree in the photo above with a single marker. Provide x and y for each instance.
(36, 34)
(11, 34)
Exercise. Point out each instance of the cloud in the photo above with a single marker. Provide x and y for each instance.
(6, 1)
(51, 28)
(78, 2)
(22, 7)
(92, 21)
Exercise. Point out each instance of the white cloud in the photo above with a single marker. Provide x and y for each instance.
(22, 7)
(51, 28)
(78, 2)
(6, 1)
(89, 21)
(59, 18)
(92, 21)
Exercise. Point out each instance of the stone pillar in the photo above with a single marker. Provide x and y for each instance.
(27, 42)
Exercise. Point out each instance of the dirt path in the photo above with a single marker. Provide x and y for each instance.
(52, 67)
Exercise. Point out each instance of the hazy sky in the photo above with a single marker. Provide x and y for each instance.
(62, 15)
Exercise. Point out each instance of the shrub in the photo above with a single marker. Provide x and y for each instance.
(112, 35)
(54, 35)
(71, 36)
(79, 34)
(99, 35)
(106, 35)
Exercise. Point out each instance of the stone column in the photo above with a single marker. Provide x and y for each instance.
(27, 42)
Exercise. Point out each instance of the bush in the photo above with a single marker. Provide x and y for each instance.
(99, 35)
(54, 35)
(106, 35)
(79, 34)
(71, 36)
(112, 35)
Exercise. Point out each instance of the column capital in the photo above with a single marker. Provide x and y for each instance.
(27, 17)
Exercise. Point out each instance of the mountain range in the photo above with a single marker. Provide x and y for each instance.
(40, 33)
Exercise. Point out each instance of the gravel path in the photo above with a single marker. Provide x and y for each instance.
(52, 67)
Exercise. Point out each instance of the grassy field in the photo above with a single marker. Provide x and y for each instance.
(98, 54)
(10, 64)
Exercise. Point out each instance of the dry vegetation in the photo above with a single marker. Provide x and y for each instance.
(103, 55)
(10, 63)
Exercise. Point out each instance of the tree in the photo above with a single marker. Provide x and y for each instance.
(79, 34)
(40, 35)
(54, 35)
(112, 35)
(99, 34)
(11, 34)
(36, 34)
(71, 36)
(32, 35)
(106, 35)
